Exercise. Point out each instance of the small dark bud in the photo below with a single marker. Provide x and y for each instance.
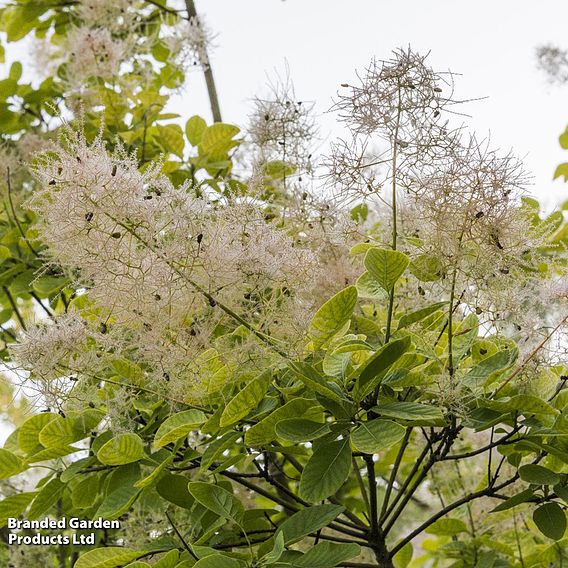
(114, 168)
(89, 216)
(52, 182)
(116, 235)
(199, 238)
(212, 302)
(479, 214)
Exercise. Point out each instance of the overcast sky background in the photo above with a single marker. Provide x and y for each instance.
(491, 43)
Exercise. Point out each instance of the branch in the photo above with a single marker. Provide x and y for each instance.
(487, 492)
(504, 440)
(394, 471)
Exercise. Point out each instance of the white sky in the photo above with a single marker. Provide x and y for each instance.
(490, 42)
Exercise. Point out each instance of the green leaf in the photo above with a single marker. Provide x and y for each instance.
(301, 430)
(526, 404)
(170, 560)
(314, 381)
(369, 288)
(403, 557)
(326, 471)
(538, 475)
(108, 557)
(178, 426)
(424, 414)
(217, 561)
(246, 400)
(218, 500)
(14, 506)
(10, 464)
(386, 266)
(128, 370)
(375, 369)
(21, 20)
(60, 432)
(173, 488)
(194, 129)
(217, 447)
(550, 520)
(513, 501)
(419, 315)
(171, 139)
(118, 502)
(47, 286)
(28, 433)
(121, 450)
(278, 169)
(327, 555)
(264, 432)
(482, 374)
(427, 268)
(308, 521)
(447, 527)
(561, 171)
(277, 550)
(563, 139)
(217, 140)
(333, 316)
(48, 495)
(373, 436)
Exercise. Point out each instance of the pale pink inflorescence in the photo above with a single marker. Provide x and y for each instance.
(93, 53)
(145, 250)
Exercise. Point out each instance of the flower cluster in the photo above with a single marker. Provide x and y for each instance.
(162, 268)
(401, 102)
(553, 62)
(282, 127)
(94, 52)
(190, 43)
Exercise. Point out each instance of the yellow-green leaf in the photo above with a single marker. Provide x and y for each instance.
(123, 449)
(178, 426)
(333, 316)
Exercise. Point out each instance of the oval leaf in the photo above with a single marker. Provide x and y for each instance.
(178, 426)
(126, 448)
(376, 435)
(550, 520)
(333, 316)
(385, 266)
(326, 471)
